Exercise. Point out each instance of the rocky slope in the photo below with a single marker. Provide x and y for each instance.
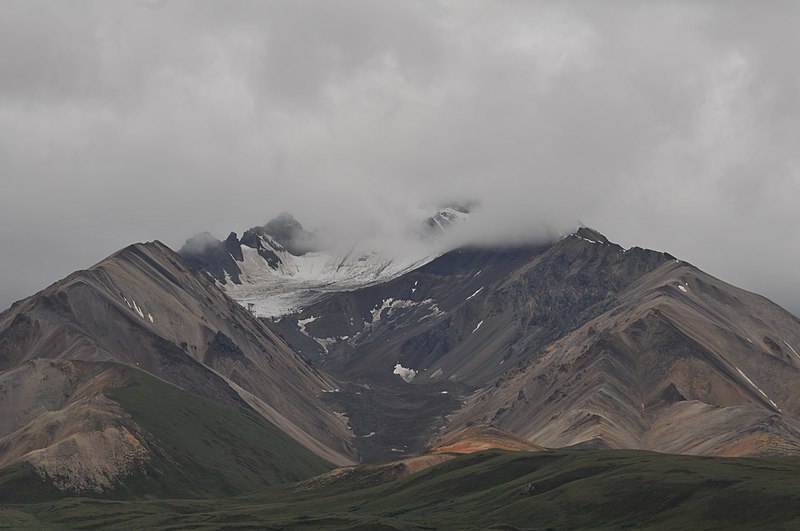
(683, 363)
(145, 308)
(570, 342)
(578, 341)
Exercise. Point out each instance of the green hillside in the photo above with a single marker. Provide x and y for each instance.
(198, 449)
(488, 490)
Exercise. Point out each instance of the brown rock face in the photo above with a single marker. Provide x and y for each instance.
(679, 364)
(143, 307)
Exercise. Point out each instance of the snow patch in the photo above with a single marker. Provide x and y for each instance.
(149, 316)
(474, 294)
(436, 373)
(325, 342)
(444, 392)
(585, 239)
(758, 389)
(682, 288)
(367, 436)
(137, 309)
(435, 311)
(376, 312)
(390, 304)
(303, 322)
(476, 328)
(791, 347)
(404, 373)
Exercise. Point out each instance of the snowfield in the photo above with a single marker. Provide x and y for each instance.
(302, 280)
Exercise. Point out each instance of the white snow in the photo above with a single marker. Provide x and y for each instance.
(331, 390)
(474, 294)
(391, 304)
(404, 373)
(758, 389)
(444, 392)
(325, 342)
(302, 280)
(585, 239)
(435, 311)
(303, 322)
(682, 288)
(370, 434)
(137, 309)
(476, 328)
(791, 347)
(376, 312)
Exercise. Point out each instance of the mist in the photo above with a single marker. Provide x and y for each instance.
(669, 125)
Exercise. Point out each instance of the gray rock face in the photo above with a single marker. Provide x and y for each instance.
(575, 342)
(218, 259)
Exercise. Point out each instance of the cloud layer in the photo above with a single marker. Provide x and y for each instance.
(671, 125)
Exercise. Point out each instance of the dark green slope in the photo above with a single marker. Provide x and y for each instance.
(197, 447)
(208, 449)
(489, 490)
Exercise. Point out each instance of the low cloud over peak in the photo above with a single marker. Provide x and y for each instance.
(665, 124)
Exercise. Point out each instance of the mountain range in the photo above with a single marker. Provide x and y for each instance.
(270, 358)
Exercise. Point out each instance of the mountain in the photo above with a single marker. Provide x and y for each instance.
(143, 319)
(571, 342)
(269, 359)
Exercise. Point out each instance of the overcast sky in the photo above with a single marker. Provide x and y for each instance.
(669, 125)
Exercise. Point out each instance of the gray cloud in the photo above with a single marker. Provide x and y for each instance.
(671, 125)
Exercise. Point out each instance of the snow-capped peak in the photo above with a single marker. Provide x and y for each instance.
(280, 268)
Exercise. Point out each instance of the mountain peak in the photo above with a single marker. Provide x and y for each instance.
(591, 235)
(286, 231)
(444, 218)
